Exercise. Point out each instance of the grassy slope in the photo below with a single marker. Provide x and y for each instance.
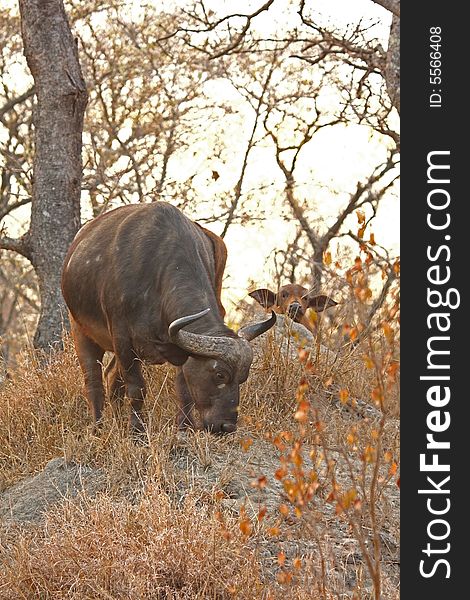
(176, 519)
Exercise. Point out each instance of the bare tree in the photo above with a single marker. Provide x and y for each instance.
(356, 47)
(52, 57)
(156, 128)
(18, 305)
(312, 57)
(16, 103)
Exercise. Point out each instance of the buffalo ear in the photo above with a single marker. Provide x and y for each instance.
(320, 302)
(264, 296)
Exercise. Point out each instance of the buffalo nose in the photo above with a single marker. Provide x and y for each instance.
(228, 427)
(293, 309)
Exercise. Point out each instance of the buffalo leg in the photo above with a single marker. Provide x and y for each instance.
(186, 404)
(115, 385)
(131, 372)
(90, 356)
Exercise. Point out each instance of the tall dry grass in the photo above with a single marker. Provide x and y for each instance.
(154, 531)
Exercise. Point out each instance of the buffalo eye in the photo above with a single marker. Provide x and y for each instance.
(221, 377)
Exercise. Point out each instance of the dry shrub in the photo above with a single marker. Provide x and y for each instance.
(39, 404)
(156, 533)
(268, 396)
(44, 414)
(105, 548)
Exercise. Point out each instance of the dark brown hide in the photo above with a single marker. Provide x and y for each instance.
(293, 300)
(128, 275)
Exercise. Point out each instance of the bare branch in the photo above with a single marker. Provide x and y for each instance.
(19, 245)
(208, 26)
(19, 292)
(250, 144)
(357, 200)
(9, 208)
(14, 101)
(241, 35)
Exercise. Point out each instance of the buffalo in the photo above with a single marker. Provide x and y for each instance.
(144, 283)
(293, 300)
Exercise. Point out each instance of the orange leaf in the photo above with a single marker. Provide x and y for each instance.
(278, 443)
(377, 396)
(388, 332)
(301, 416)
(284, 577)
(261, 514)
(310, 367)
(245, 444)
(369, 454)
(396, 267)
(392, 369)
(357, 505)
(280, 473)
(246, 527)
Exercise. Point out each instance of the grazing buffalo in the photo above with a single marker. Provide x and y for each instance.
(293, 300)
(144, 282)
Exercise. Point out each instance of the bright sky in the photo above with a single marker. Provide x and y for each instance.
(335, 159)
(341, 156)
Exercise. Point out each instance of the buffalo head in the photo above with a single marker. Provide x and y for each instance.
(293, 300)
(210, 378)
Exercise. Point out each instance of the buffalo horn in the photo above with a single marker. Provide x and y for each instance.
(179, 323)
(250, 332)
(204, 345)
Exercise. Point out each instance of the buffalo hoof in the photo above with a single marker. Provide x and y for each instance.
(228, 427)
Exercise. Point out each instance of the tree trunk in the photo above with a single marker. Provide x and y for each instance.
(317, 269)
(392, 69)
(52, 57)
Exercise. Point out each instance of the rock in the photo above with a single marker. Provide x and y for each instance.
(288, 336)
(29, 499)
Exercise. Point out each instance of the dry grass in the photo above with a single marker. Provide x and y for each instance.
(164, 524)
(108, 548)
